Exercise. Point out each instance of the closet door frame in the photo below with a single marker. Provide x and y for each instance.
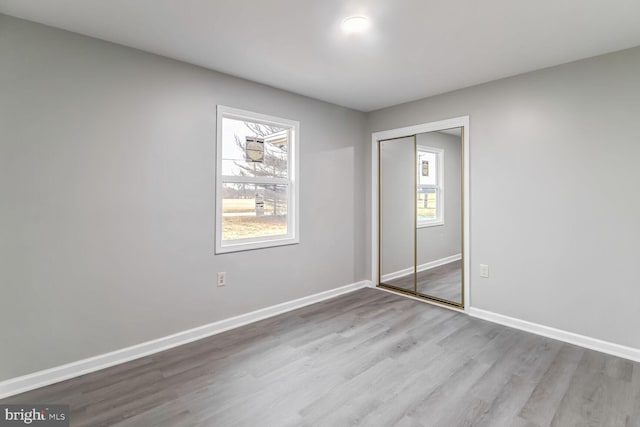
(410, 131)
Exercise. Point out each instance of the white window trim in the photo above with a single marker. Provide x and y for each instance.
(439, 220)
(293, 205)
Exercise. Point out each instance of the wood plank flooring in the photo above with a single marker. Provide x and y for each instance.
(367, 358)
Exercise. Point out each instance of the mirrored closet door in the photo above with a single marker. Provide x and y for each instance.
(421, 205)
(397, 213)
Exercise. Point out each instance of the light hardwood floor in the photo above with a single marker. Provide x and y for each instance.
(367, 358)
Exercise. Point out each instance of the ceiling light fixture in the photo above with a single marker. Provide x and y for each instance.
(355, 24)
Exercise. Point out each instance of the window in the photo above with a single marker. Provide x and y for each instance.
(256, 181)
(430, 186)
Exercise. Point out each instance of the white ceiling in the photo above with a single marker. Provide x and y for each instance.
(415, 48)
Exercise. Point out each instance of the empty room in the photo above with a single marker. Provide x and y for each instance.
(319, 213)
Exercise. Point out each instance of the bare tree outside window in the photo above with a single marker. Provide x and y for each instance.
(254, 209)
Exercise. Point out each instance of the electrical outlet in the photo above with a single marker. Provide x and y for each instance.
(484, 270)
(222, 278)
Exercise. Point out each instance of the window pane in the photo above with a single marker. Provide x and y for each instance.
(427, 168)
(253, 149)
(253, 210)
(427, 204)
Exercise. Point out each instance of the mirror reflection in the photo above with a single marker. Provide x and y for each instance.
(439, 213)
(421, 209)
(397, 231)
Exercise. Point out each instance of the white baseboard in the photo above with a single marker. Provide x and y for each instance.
(46, 377)
(422, 267)
(558, 334)
(397, 274)
(439, 262)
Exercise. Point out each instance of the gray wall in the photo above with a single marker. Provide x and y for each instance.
(441, 241)
(107, 199)
(554, 192)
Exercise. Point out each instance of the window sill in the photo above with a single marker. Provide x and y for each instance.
(256, 244)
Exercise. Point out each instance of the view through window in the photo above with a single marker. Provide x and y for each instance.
(430, 186)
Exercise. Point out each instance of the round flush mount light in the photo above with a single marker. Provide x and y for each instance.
(355, 24)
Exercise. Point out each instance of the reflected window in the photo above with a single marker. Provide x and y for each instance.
(430, 186)
(256, 185)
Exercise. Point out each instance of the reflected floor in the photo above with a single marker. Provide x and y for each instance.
(444, 282)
